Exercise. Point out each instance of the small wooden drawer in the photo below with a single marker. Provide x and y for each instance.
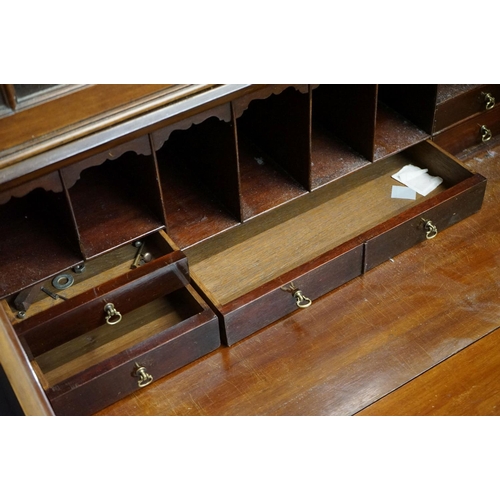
(89, 274)
(475, 131)
(88, 354)
(458, 102)
(460, 196)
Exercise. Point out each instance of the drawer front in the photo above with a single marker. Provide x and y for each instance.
(267, 304)
(410, 227)
(473, 132)
(82, 313)
(111, 381)
(465, 105)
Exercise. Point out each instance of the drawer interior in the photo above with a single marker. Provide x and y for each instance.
(96, 271)
(261, 250)
(100, 344)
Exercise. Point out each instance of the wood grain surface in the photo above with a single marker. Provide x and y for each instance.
(466, 384)
(62, 116)
(295, 235)
(103, 342)
(367, 339)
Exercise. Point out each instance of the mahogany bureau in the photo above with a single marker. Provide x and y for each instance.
(146, 226)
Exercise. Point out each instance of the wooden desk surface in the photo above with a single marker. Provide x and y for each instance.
(413, 336)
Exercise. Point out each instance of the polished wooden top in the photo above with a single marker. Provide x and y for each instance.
(465, 384)
(416, 320)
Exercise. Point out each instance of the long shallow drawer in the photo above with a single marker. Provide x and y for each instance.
(252, 273)
(459, 102)
(109, 341)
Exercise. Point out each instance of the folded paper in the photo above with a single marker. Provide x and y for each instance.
(418, 179)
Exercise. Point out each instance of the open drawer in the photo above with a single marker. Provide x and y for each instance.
(101, 345)
(459, 196)
(268, 267)
(86, 275)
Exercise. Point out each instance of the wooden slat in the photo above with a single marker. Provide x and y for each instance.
(10, 94)
(21, 376)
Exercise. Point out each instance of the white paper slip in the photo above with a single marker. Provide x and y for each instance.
(403, 193)
(409, 172)
(417, 179)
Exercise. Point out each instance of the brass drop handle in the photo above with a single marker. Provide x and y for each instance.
(301, 300)
(489, 100)
(486, 134)
(112, 315)
(144, 377)
(430, 229)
